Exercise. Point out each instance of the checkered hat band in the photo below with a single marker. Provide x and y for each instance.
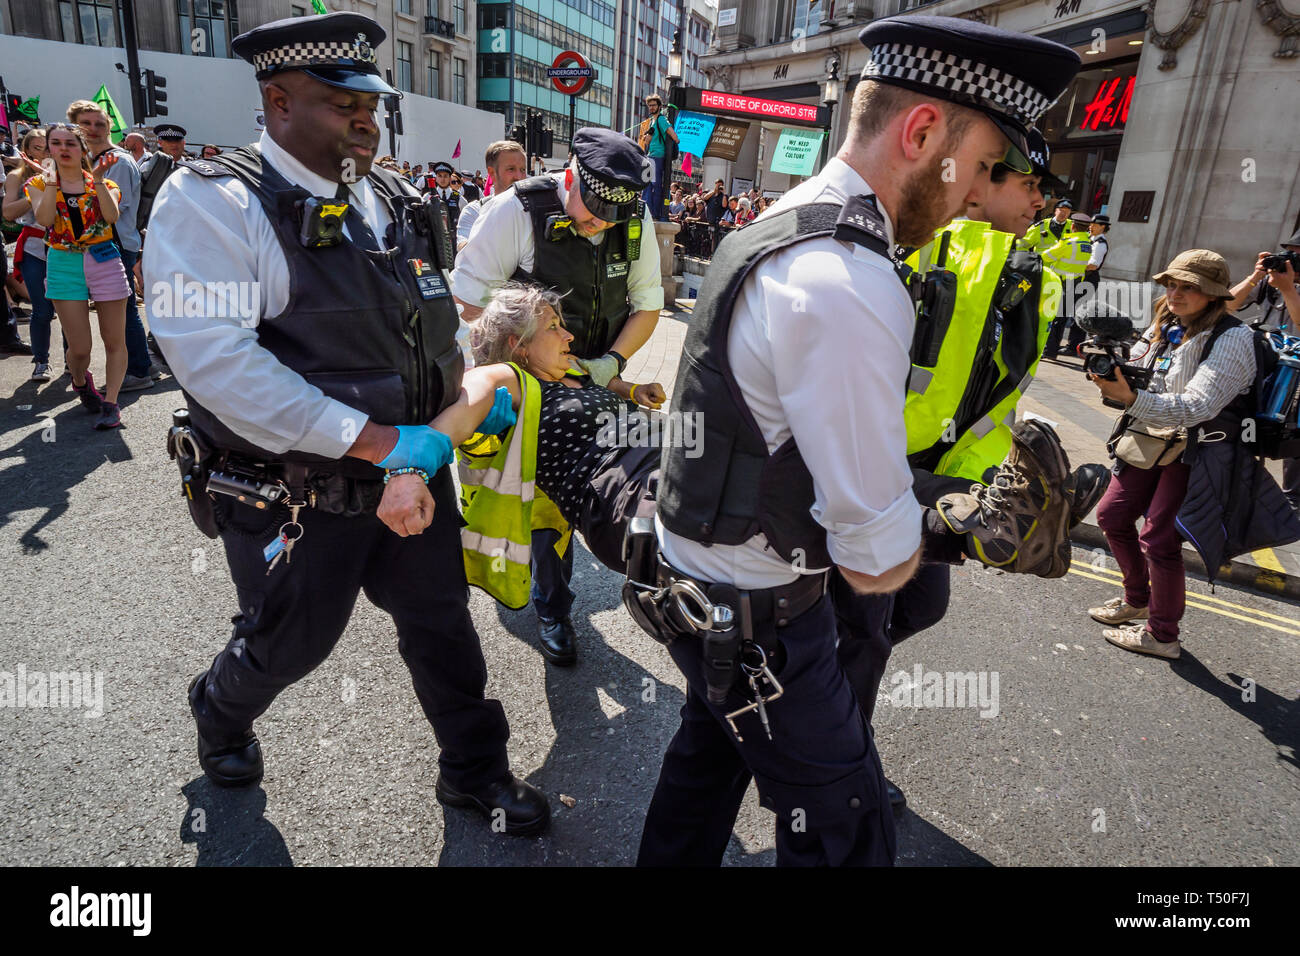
(311, 54)
(968, 78)
(615, 194)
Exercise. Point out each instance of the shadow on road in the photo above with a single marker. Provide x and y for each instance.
(1277, 717)
(229, 827)
(59, 451)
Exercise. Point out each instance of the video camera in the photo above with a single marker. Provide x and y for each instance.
(1109, 344)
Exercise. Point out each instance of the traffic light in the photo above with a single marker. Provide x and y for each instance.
(154, 95)
(540, 139)
(12, 102)
(519, 135)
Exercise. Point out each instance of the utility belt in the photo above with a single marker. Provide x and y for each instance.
(214, 479)
(736, 628)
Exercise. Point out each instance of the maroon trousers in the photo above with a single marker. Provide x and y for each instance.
(1152, 561)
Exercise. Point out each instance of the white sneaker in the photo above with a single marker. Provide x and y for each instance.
(1136, 638)
(41, 373)
(1115, 611)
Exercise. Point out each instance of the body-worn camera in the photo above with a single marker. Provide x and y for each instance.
(322, 222)
(1277, 263)
(1109, 343)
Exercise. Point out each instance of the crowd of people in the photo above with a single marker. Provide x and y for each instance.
(824, 554)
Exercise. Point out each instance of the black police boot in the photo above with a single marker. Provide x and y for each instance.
(522, 808)
(897, 799)
(558, 640)
(230, 764)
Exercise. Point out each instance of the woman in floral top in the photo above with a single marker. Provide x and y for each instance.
(84, 263)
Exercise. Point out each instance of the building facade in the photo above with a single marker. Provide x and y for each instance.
(429, 50)
(646, 32)
(518, 40)
(1183, 125)
(429, 53)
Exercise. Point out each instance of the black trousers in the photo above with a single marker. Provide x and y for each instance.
(870, 625)
(289, 621)
(820, 774)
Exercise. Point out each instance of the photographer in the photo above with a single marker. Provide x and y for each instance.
(1210, 490)
(1276, 290)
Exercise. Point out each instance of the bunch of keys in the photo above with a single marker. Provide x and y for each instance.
(290, 532)
(753, 662)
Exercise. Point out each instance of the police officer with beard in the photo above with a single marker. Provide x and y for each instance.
(796, 360)
(587, 235)
(323, 478)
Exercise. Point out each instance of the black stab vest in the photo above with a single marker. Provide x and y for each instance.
(356, 325)
(735, 488)
(592, 277)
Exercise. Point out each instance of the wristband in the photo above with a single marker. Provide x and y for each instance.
(622, 362)
(394, 472)
(633, 395)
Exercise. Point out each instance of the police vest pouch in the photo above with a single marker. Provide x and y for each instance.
(1145, 447)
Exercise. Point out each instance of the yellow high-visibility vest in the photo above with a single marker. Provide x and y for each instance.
(978, 254)
(502, 505)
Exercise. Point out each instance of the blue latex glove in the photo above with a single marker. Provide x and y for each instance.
(419, 446)
(502, 415)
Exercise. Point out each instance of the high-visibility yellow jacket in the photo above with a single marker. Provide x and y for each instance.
(1040, 236)
(1068, 257)
(960, 412)
(502, 505)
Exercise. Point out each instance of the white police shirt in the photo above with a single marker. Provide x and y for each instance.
(214, 232)
(501, 241)
(819, 344)
(1099, 249)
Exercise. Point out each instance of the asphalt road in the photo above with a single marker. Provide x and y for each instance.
(1094, 755)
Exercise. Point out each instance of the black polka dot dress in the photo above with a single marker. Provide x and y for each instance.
(574, 440)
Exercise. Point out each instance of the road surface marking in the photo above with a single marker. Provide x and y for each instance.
(1192, 602)
(1215, 600)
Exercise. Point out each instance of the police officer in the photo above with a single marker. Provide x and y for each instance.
(1049, 231)
(1098, 226)
(322, 394)
(960, 415)
(155, 170)
(1068, 258)
(442, 175)
(153, 173)
(804, 466)
(588, 236)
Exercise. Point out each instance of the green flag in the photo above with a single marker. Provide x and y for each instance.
(29, 108)
(319, 6)
(115, 118)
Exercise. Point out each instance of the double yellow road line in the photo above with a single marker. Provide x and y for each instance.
(1205, 602)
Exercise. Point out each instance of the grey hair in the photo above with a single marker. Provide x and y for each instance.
(515, 309)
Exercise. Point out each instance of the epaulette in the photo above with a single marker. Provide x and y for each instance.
(205, 168)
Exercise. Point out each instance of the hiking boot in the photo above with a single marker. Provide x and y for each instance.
(1136, 638)
(1116, 611)
(1020, 521)
(1084, 487)
(90, 397)
(110, 416)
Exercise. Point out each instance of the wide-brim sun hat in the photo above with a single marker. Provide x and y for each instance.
(1205, 269)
